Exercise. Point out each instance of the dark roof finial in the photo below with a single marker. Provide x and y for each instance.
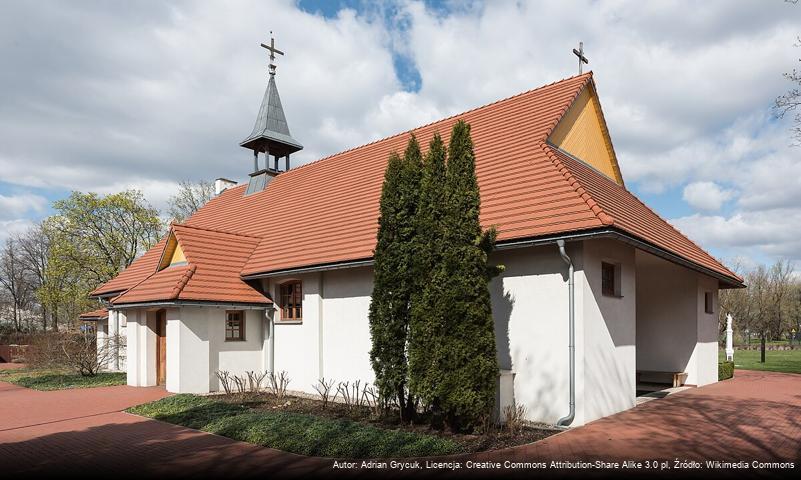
(273, 51)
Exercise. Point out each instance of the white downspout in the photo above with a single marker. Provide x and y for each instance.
(268, 341)
(568, 419)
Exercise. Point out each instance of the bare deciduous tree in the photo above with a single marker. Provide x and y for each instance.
(15, 281)
(34, 250)
(190, 197)
(765, 307)
(790, 101)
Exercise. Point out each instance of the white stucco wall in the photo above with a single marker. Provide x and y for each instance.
(297, 349)
(141, 347)
(333, 340)
(609, 326)
(114, 325)
(530, 303)
(673, 331)
(706, 349)
(346, 329)
(236, 357)
(530, 306)
(103, 332)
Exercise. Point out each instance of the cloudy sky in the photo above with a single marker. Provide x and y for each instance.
(104, 96)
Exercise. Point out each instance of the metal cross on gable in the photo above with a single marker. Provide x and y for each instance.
(273, 51)
(579, 53)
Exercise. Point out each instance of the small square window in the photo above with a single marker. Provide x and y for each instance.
(610, 279)
(708, 299)
(234, 326)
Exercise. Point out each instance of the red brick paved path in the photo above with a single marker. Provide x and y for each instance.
(754, 416)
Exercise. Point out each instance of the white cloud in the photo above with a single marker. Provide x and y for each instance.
(774, 233)
(157, 192)
(165, 92)
(14, 206)
(708, 196)
(10, 228)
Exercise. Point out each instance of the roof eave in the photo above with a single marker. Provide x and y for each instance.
(605, 232)
(195, 303)
(613, 232)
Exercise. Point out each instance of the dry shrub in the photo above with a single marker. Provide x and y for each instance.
(80, 352)
(255, 380)
(514, 417)
(323, 389)
(352, 394)
(279, 384)
(225, 380)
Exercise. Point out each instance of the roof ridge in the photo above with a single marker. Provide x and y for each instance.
(178, 288)
(135, 285)
(587, 76)
(567, 106)
(599, 212)
(183, 225)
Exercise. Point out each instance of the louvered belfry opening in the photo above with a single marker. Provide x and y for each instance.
(270, 137)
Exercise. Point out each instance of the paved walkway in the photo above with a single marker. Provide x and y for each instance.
(756, 416)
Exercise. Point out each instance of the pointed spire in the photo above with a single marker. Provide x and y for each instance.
(271, 131)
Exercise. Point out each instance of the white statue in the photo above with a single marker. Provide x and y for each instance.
(729, 335)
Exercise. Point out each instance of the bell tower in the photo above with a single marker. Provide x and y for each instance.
(270, 135)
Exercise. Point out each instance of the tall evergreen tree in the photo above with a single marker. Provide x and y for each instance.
(394, 278)
(427, 312)
(467, 389)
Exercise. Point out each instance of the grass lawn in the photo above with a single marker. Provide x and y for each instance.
(300, 433)
(787, 361)
(59, 379)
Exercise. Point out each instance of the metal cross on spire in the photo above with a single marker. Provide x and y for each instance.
(273, 51)
(579, 53)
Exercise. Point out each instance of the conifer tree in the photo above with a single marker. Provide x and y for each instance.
(468, 352)
(394, 279)
(427, 312)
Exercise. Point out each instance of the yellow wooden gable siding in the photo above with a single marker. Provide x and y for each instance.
(582, 133)
(173, 253)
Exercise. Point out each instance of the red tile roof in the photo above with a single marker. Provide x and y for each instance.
(99, 314)
(625, 211)
(214, 261)
(137, 271)
(327, 211)
(334, 202)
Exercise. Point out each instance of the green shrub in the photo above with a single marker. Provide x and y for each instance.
(725, 370)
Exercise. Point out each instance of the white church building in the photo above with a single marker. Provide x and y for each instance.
(275, 274)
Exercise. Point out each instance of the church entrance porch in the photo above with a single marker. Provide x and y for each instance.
(676, 325)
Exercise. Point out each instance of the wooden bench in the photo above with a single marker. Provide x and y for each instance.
(678, 378)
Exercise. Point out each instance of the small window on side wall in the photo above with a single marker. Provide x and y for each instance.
(292, 301)
(610, 279)
(708, 298)
(234, 326)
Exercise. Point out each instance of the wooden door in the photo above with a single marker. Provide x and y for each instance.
(161, 347)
